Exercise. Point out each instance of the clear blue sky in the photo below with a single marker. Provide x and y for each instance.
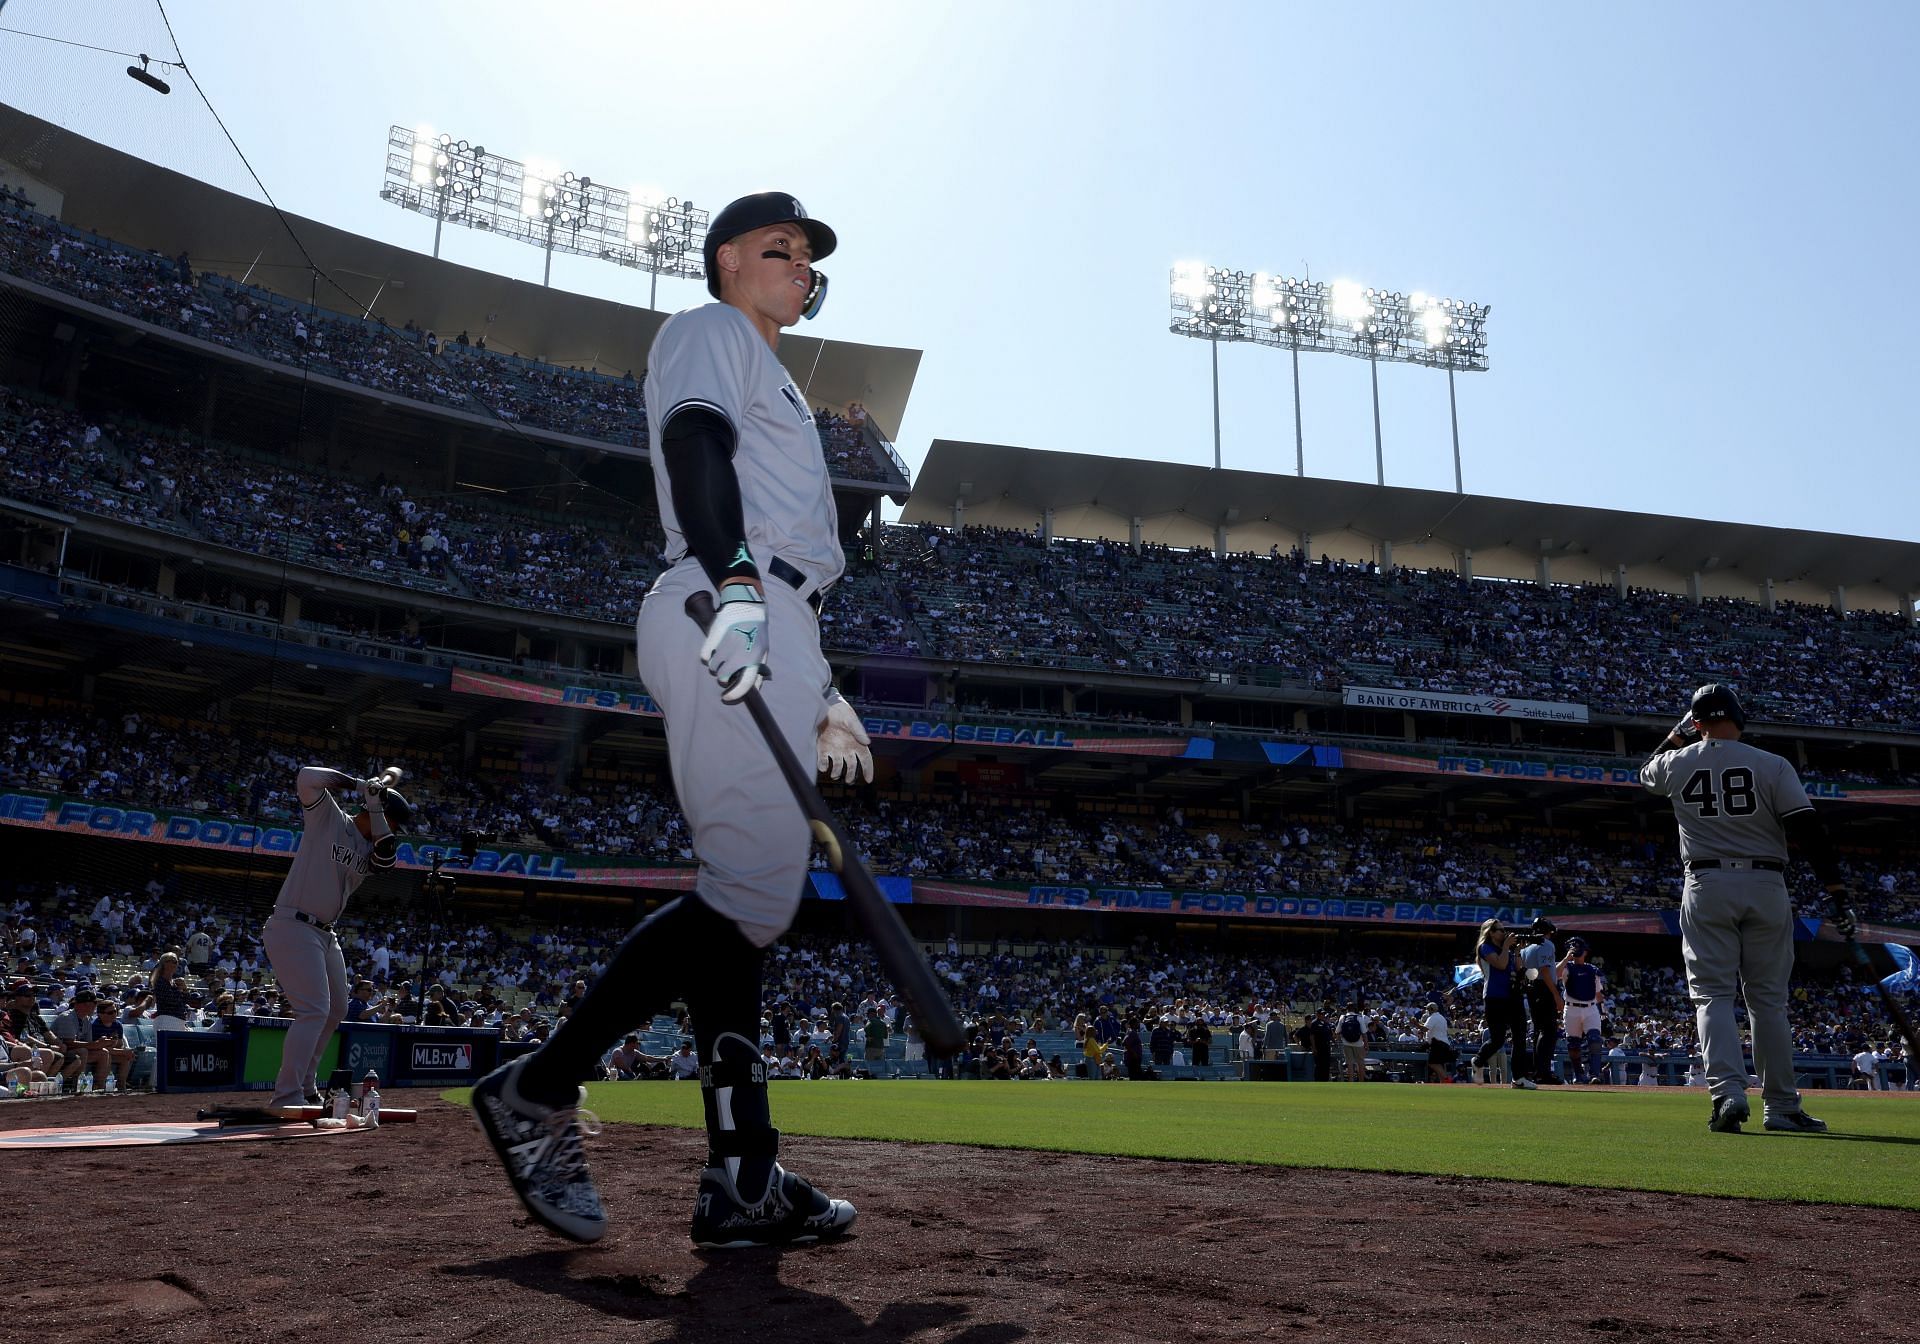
(1694, 223)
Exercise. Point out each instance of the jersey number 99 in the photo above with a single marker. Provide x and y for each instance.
(1731, 792)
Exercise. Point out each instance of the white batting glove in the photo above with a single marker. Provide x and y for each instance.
(735, 650)
(843, 743)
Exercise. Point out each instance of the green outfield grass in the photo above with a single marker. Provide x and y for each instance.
(1654, 1140)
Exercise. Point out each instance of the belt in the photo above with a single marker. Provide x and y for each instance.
(1758, 865)
(306, 918)
(1576, 1003)
(795, 580)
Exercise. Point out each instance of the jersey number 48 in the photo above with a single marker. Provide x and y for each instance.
(1731, 791)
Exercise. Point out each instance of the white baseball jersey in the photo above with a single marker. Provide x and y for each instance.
(712, 357)
(334, 859)
(1728, 798)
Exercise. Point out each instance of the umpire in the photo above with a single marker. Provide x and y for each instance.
(1736, 807)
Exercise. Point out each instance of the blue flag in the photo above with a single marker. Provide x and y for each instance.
(1908, 976)
(1471, 974)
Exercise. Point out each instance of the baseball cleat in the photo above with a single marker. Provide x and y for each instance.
(1794, 1122)
(1524, 1085)
(1729, 1113)
(793, 1213)
(540, 1148)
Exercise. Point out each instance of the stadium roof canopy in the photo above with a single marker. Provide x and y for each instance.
(98, 188)
(1183, 505)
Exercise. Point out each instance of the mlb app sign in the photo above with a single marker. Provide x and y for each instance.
(442, 1057)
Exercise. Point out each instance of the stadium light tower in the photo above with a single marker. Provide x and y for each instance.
(460, 183)
(1341, 318)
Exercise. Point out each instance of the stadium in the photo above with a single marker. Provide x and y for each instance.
(1176, 771)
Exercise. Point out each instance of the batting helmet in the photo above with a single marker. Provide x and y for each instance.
(399, 810)
(763, 210)
(1715, 701)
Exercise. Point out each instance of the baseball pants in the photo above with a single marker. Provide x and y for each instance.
(1737, 927)
(313, 975)
(751, 837)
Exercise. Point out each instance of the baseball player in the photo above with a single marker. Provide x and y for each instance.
(336, 854)
(749, 516)
(1580, 990)
(1737, 806)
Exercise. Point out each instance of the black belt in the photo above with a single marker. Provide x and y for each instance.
(795, 580)
(1758, 865)
(1576, 1003)
(306, 918)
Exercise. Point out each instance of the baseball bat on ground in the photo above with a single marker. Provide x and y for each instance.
(939, 1024)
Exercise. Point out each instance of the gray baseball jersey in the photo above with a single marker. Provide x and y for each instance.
(1736, 921)
(334, 859)
(712, 357)
(1728, 798)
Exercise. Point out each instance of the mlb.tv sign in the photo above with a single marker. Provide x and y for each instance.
(442, 1057)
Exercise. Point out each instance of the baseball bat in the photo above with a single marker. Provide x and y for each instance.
(939, 1024)
(1895, 1009)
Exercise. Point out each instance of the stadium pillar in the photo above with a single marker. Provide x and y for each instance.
(1620, 582)
(1693, 587)
(1840, 600)
(1386, 556)
(629, 660)
(1407, 728)
(163, 581)
(290, 609)
(1219, 539)
(959, 514)
(1910, 607)
(1766, 594)
(1619, 741)
(1543, 571)
(1133, 535)
(1466, 563)
(1046, 526)
(1186, 711)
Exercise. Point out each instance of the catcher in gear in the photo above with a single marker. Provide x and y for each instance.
(335, 856)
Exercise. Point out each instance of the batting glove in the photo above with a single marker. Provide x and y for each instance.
(843, 743)
(735, 650)
(373, 794)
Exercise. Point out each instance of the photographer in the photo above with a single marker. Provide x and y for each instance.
(1495, 955)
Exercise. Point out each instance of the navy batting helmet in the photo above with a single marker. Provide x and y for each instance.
(399, 810)
(1715, 701)
(763, 210)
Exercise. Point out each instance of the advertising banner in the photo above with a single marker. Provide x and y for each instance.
(1445, 702)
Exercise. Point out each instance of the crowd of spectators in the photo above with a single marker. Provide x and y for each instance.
(75, 951)
(139, 760)
(457, 372)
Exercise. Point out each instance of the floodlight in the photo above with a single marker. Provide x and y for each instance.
(1191, 280)
(1351, 304)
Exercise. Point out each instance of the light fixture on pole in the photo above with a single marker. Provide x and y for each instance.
(1343, 318)
(460, 183)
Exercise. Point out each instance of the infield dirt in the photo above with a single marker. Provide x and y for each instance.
(410, 1233)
